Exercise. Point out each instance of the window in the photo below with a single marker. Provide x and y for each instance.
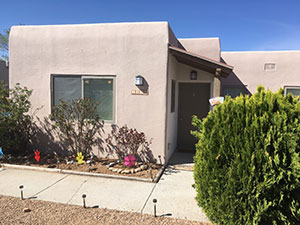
(294, 90)
(234, 91)
(173, 96)
(66, 88)
(97, 88)
(270, 66)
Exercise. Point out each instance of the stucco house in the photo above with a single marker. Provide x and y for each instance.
(107, 61)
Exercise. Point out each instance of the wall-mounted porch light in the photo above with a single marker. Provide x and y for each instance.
(193, 75)
(139, 80)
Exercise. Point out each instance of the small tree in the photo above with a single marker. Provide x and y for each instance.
(16, 125)
(77, 125)
(4, 37)
(124, 141)
(247, 167)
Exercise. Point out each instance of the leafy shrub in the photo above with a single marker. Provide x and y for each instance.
(77, 125)
(125, 141)
(16, 124)
(247, 164)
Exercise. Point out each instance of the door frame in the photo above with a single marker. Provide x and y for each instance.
(178, 82)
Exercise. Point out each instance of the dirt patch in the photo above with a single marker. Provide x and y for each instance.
(95, 165)
(41, 212)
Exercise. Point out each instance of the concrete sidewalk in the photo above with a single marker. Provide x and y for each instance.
(174, 192)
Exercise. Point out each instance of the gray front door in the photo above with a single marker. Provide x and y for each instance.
(193, 100)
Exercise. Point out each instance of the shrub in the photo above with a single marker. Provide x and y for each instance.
(77, 125)
(125, 141)
(16, 124)
(247, 166)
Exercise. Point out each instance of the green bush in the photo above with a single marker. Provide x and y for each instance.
(16, 124)
(247, 164)
(77, 125)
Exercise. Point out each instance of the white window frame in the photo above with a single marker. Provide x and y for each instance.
(290, 87)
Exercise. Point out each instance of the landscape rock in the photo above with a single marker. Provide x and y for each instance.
(138, 170)
(111, 164)
(143, 167)
(26, 210)
(126, 171)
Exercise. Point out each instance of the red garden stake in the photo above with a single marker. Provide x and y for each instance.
(37, 155)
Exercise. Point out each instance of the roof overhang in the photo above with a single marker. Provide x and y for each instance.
(201, 62)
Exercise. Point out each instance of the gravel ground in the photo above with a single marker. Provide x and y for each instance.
(41, 212)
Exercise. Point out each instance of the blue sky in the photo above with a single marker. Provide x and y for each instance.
(241, 25)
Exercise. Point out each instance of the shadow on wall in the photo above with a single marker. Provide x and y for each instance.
(145, 87)
(121, 142)
(232, 85)
(43, 139)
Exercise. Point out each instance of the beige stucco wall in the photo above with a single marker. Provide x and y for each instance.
(4, 71)
(207, 47)
(124, 50)
(249, 69)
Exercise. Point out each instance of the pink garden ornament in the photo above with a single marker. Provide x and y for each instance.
(129, 160)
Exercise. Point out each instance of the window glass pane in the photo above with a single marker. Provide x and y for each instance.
(101, 91)
(66, 88)
(293, 91)
(234, 91)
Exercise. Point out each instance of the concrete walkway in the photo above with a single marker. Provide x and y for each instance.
(174, 191)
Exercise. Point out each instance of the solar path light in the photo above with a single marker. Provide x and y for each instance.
(83, 198)
(154, 202)
(21, 188)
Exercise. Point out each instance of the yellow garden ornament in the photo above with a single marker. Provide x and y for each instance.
(79, 158)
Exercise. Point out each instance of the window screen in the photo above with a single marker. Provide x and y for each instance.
(101, 91)
(66, 88)
(234, 91)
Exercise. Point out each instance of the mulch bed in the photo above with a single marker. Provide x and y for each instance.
(96, 165)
